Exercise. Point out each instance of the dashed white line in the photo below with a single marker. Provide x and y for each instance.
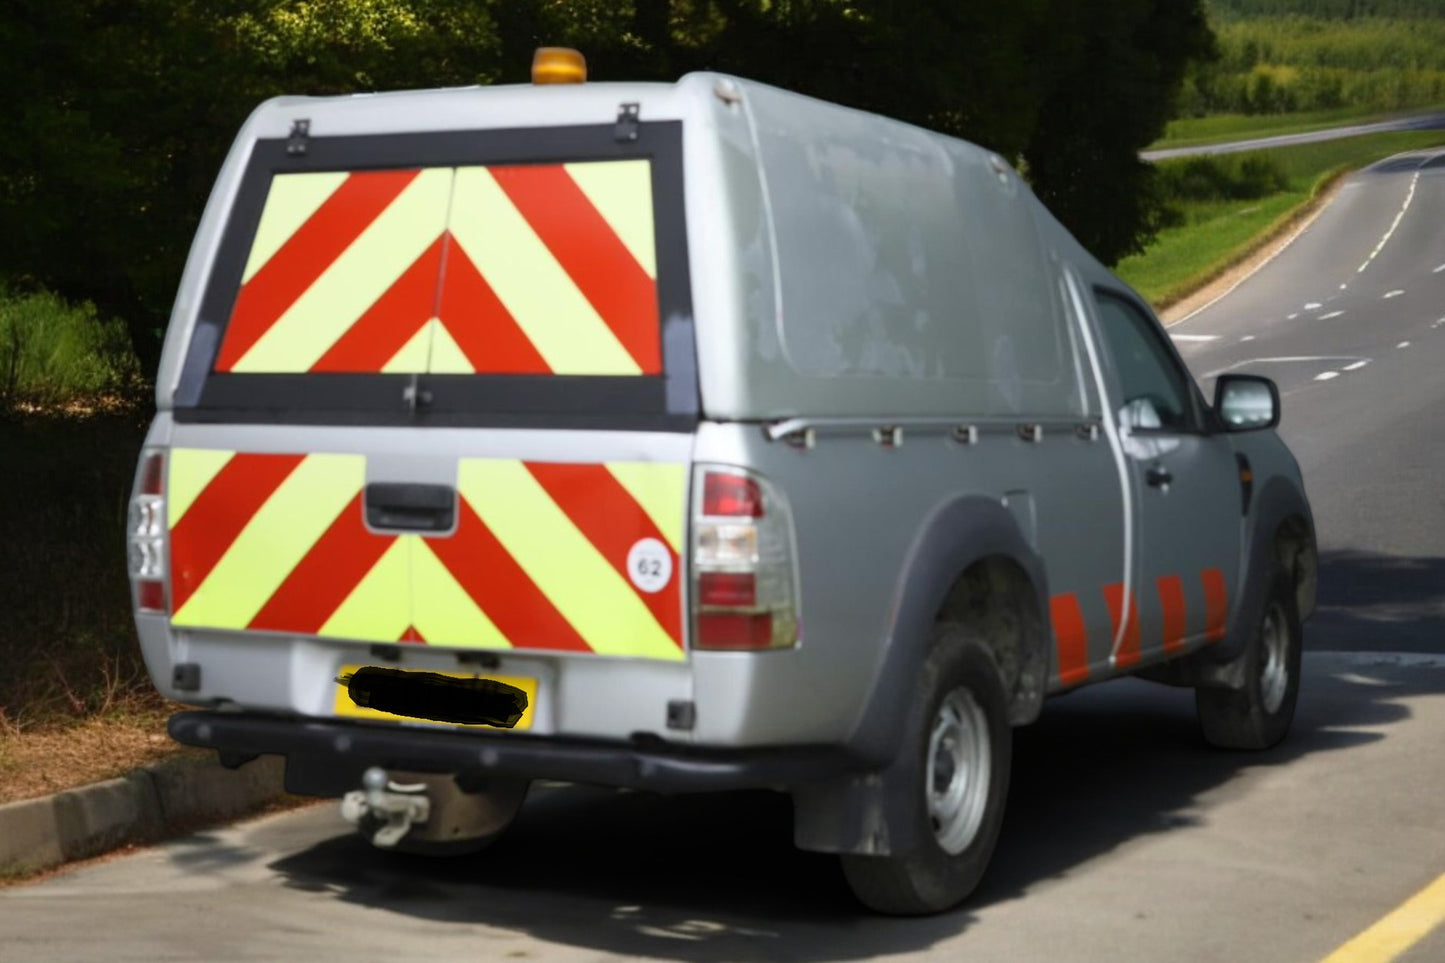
(1438, 269)
(1344, 287)
(1326, 375)
(1313, 306)
(1195, 337)
(1250, 337)
(1403, 344)
(1332, 314)
(1392, 294)
(1292, 316)
(1409, 196)
(1357, 365)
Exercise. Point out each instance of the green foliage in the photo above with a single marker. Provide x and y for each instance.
(1319, 61)
(1222, 177)
(52, 352)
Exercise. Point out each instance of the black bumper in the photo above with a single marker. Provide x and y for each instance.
(326, 758)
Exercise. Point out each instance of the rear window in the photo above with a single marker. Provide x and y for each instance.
(489, 277)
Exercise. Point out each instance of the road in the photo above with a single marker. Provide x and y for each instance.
(1434, 121)
(1126, 840)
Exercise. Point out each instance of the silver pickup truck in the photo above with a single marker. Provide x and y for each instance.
(684, 437)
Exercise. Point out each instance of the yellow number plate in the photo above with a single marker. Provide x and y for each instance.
(350, 710)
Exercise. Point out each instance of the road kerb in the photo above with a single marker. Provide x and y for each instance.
(140, 807)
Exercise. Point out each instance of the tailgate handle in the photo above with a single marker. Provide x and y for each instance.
(414, 508)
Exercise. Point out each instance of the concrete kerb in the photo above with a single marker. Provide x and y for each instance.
(141, 807)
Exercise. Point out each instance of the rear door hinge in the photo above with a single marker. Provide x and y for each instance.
(626, 129)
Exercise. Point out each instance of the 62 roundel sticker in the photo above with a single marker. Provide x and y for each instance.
(649, 565)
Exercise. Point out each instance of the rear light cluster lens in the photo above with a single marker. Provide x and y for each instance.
(146, 534)
(744, 576)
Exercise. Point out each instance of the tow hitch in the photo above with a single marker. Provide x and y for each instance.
(384, 810)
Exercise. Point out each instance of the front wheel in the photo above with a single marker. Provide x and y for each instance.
(1258, 715)
(962, 749)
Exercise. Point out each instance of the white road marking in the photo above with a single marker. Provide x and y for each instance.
(1332, 314)
(1250, 337)
(1286, 359)
(1292, 316)
(1403, 344)
(1313, 306)
(1409, 196)
(1344, 287)
(1326, 375)
(1438, 269)
(1357, 365)
(1195, 337)
(1392, 294)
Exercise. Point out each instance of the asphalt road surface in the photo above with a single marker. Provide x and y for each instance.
(1419, 122)
(1125, 840)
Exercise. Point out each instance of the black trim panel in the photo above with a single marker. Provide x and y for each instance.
(349, 748)
(659, 403)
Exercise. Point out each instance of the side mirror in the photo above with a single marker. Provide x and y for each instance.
(1246, 402)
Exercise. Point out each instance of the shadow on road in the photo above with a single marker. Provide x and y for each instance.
(1381, 603)
(711, 878)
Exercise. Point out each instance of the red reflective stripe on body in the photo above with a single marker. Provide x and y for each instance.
(219, 514)
(1128, 652)
(501, 589)
(323, 579)
(480, 324)
(413, 636)
(613, 522)
(1216, 605)
(1176, 620)
(305, 256)
(395, 318)
(1070, 637)
(591, 253)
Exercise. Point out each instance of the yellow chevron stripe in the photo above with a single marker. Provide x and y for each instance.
(412, 358)
(661, 490)
(191, 471)
(555, 316)
(559, 559)
(274, 542)
(446, 355)
(290, 202)
(622, 193)
(366, 271)
(442, 611)
(378, 608)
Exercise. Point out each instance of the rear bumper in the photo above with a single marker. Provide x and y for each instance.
(326, 758)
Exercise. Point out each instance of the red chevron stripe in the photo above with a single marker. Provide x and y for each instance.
(1071, 638)
(591, 253)
(1216, 605)
(1129, 650)
(613, 522)
(328, 573)
(262, 301)
(488, 573)
(1176, 621)
(480, 324)
(391, 322)
(218, 515)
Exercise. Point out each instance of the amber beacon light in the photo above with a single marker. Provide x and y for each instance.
(558, 65)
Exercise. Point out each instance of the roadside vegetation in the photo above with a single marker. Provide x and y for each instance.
(1220, 208)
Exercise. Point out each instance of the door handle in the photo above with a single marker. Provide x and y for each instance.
(412, 508)
(1158, 476)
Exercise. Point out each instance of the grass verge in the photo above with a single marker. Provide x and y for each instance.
(1215, 233)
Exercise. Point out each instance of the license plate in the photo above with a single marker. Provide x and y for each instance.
(346, 708)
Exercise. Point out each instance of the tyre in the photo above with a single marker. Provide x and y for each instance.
(1258, 715)
(960, 750)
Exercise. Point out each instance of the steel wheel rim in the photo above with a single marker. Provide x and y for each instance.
(1274, 668)
(958, 771)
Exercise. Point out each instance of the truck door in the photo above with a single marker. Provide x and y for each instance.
(1186, 488)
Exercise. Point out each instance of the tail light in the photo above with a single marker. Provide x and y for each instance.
(744, 575)
(146, 534)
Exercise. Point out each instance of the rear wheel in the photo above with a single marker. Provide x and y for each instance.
(1258, 715)
(961, 747)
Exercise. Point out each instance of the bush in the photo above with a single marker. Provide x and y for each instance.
(52, 352)
(1222, 177)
